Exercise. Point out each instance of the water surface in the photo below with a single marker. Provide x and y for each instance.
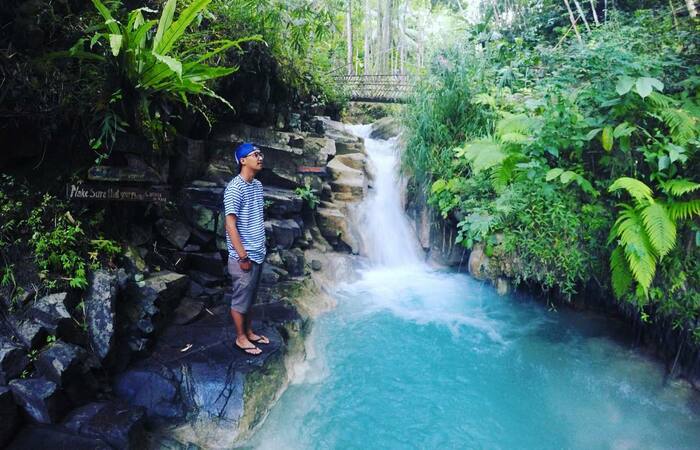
(414, 357)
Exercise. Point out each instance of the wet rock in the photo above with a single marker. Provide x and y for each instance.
(277, 312)
(502, 286)
(117, 423)
(133, 261)
(293, 261)
(52, 311)
(284, 232)
(478, 262)
(13, 360)
(195, 289)
(271, 274)
(385, 128)
(316, 264)
(282, 202)
(335, 228)
(195, 375)
(149, 303)
(204, 278)
(353, 160)
(187, 312)
(31, 332)
(152, 387)
(65, 365)
(9, 415)
(40, 437)
(175, 232)
(273, 258)
(139, 235)
(350, 183)
(211, 263)
(99, 312)
(40, 398)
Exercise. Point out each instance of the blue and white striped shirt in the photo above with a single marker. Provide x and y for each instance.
(245, 201)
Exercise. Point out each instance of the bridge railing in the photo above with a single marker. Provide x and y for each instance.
(377, 88)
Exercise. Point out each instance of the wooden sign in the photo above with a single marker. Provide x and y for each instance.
(99, 192)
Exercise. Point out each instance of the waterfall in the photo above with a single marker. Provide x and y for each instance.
(388, 237)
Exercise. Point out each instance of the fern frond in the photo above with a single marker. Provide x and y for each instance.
(621, 275)
(659, 227)
(659, 100)
(637, 189)
(638, 249)
(679, 187)
(682, 125)
(683, 210)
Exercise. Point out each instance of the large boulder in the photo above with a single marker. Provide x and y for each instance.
(385, 128)
(294, 261)
(13, 360)
(52, 312)
(283, 232)
(41, 399)
(177, 233)
(117, 423)
(31, 332)
(196, 377)
(282, 202)
(335, 228)
(149, 303)
(348, 184)
(99, 312)
(66, 365)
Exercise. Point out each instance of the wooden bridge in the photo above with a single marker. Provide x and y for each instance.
(376, 88)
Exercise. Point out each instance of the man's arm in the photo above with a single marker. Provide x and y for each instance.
(236, 242)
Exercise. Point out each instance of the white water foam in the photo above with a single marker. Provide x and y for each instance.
(389, 239)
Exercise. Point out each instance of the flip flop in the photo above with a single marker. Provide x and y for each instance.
(260, 340)
(246, 349)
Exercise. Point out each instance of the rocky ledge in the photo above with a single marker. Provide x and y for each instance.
(144, 358)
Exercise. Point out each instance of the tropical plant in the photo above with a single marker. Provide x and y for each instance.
(148, 70)
(645, 231)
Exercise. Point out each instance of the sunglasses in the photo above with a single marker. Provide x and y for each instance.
(257, 154)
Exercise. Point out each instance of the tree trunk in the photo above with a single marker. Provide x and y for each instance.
(595, 15)
(583, 16)
(573, 21)
(368, 26)
(348, 34)
(692, 12)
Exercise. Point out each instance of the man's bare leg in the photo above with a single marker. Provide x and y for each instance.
(259, 339)
(241, 323)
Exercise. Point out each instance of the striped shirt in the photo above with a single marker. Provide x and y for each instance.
(245, 201)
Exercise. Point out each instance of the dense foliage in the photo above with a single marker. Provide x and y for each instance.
(571, 162)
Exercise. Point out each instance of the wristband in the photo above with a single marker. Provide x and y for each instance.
(246, 258)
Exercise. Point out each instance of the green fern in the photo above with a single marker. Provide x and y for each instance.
(682, 125)
(638, 250)
(637, 189)
(659, 227)
(683, 210)
(679, 187)
(621, 275)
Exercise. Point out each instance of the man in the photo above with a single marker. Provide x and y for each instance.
(245, 237)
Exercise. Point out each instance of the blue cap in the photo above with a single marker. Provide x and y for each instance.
(244, 150)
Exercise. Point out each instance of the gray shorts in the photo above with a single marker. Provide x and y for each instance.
(244, 286)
